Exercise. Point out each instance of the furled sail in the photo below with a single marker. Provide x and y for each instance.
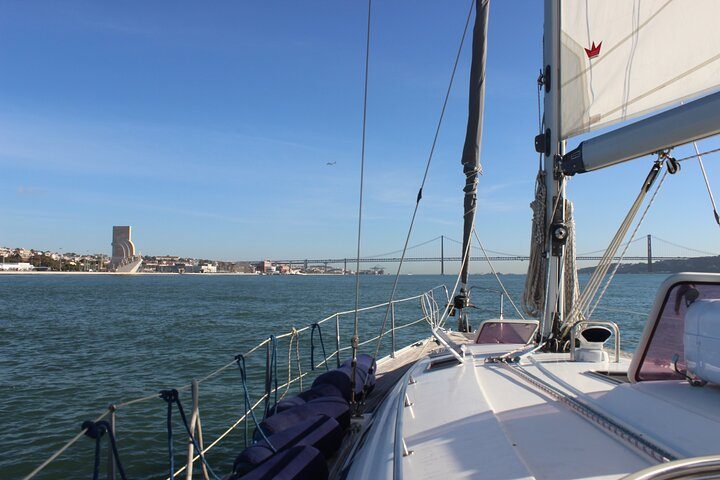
(623, 59)
(473, 136)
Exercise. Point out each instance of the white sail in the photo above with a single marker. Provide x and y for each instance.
(625, 58)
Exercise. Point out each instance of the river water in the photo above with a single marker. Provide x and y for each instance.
(70, 345)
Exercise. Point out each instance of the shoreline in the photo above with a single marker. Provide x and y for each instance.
(172, 273)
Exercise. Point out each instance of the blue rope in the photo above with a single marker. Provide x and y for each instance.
(312, 347)
(171, 396)
(240, 360)
(96, 430)
(271, 376)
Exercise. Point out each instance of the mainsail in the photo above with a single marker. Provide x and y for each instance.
(624, 59)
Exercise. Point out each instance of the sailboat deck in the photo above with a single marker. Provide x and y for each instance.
(391, 369)
(484, 420)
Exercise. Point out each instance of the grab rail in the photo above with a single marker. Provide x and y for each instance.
(696, 467)
(112, 409)
(613, 326)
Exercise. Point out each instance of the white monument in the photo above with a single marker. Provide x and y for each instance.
(124, 259)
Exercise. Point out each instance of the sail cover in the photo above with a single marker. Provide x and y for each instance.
(623, 59)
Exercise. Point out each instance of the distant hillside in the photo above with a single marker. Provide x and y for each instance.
(695, 264)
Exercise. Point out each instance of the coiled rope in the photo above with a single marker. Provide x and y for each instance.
(293, 337)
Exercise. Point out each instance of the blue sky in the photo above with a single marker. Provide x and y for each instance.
(207, 127)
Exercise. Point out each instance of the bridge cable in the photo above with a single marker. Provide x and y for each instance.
(497, 277)
(683, 246)
(425, 175)
(355, 341)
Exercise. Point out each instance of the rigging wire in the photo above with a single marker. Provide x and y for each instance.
(355, 341)
(497, 277)
(707, 182)
(425, 174)
(695, 155)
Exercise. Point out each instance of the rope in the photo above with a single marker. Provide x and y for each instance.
(271, 374)
(170, 397)
(534, 294)
(312, 347)
(355, 340)
(425, 175)
(497, 277)
(632, 236)
(240, 360)
(296, 336)
(96, 430)
(60, 451)
(263, 343)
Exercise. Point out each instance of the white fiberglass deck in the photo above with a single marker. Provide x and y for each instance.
(482, 420)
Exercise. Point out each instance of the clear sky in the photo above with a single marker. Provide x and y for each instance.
(208, 128)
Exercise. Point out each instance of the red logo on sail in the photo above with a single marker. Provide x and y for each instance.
(593, 51)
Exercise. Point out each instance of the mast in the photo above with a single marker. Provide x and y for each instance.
(473, 137)
(554, 148)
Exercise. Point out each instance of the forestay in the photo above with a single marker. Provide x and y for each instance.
(620, 60)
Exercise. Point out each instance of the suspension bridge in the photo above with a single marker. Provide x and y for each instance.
(443, 249)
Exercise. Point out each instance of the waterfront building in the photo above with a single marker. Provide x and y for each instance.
(16, 267)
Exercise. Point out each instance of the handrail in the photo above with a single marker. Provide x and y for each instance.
(112, 409)
(686, 468)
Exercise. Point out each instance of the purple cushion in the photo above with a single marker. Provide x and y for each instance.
(365, 362)
(322, 390)
(333, 407)
(340, 379)
(301, 462)
(319, 431)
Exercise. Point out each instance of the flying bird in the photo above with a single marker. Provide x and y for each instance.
(331, 163)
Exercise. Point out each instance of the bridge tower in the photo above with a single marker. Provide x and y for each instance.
(442, 254)
(345, 267)
(649, 254)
